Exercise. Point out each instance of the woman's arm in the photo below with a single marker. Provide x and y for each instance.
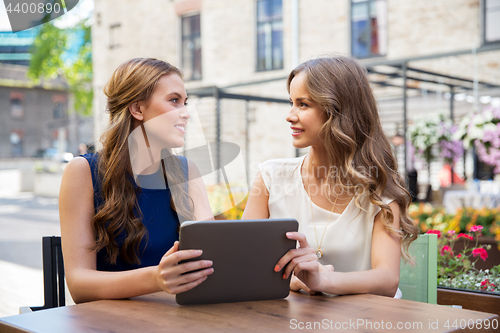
(382, 279)
(76, 210)
(257, 204)
(198, 193)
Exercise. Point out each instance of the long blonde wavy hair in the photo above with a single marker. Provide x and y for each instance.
(354, 140)
(133, 81)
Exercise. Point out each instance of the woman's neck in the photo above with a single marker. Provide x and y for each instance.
(317, 165)
(151, 169)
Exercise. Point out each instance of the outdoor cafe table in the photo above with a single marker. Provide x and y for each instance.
(158, 312)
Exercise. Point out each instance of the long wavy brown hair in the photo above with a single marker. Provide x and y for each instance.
(133, 81)
(354, 140)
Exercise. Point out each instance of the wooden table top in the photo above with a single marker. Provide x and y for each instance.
(159, 313)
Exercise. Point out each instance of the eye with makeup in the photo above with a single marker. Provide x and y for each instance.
(176, 101)
(301, 104)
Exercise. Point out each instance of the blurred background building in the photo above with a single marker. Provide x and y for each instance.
(14, 47)
(35, 115)
(236, 56)
(37, 121)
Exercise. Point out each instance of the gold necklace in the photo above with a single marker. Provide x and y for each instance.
(319, 253)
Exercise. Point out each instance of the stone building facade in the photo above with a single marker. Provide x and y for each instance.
(230, 40)
(34, 116)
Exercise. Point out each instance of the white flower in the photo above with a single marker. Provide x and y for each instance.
(489, 127)
(487, 115)
(459, 133)
(478, 120)
(466, 143)
(475, 133)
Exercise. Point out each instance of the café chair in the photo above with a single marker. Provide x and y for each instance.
(418, 282)
(53, 275)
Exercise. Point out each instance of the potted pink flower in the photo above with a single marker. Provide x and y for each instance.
(457, 274)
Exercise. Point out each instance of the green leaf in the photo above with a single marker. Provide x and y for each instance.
(49, 48)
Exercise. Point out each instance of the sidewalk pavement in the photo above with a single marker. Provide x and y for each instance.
(19, 286)
(24, 220)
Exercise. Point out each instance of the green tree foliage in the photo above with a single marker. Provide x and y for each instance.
(53, 55)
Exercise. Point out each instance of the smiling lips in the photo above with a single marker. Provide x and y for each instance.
(181, 127)
(296, 131)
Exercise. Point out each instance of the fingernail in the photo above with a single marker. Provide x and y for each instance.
(284, 276)
(208, 263)
(199, 252)
(276, 268)
(288, 234)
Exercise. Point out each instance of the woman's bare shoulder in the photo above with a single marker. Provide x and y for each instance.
(78, 171)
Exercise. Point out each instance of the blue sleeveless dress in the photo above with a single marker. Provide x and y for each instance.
(158, 217)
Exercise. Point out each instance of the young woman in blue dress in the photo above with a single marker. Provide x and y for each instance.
(119, 239)
(346, 193)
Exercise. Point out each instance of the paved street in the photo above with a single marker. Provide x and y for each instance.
(24, 219)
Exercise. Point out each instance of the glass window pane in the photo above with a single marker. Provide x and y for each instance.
(360, 39)
(276, 9)
(378, 27)
(16, 108)
(262, 14)
(269, 35)
(197, 64)
(492, 26)
(187, 62)
(191, 47)
(186, 26)
(369, 28)
(261, 48)
(195, 24)
(277, 49)
(360, 11)
(492, 3)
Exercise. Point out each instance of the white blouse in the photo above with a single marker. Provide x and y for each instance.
(348, 237)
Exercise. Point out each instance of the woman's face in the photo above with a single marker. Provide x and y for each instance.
(305, 117)
(165, 115)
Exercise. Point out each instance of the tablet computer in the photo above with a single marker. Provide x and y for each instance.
(244, 253)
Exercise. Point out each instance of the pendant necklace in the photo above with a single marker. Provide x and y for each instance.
(319, 253)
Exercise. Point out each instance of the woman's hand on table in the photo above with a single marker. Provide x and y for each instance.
(296, 284)
(170, 274)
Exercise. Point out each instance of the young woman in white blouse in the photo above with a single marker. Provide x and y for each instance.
(346, 193)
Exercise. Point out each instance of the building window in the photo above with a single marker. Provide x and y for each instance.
(191, 47)
(59, 102)
(58, 110)
(17, 105)
(114, 30)
(269, 35)
(368, 28)
(16, 108)
(491, 24)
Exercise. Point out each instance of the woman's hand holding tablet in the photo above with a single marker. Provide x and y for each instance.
(303, 262)
(171, 275)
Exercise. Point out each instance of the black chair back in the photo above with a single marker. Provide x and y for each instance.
(53, 274)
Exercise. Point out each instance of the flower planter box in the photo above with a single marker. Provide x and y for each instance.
(493, 254)
(469, 299)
